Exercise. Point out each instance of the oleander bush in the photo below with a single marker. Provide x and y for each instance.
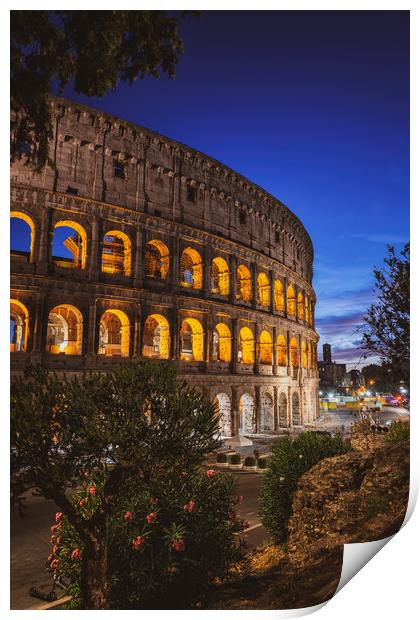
(235, 459)
(290, 458)
(250, 461)
(262, 463)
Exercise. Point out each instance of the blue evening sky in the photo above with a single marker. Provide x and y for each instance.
(314, 107)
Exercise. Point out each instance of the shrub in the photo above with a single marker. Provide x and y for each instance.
(222, 458)
(290, 459)
(398, 431)
(167, 541)
(263, 463)
(249, 461)
(235, 459)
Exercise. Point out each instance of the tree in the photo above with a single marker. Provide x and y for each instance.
(386, 329)
(93, 50)
(138, 423)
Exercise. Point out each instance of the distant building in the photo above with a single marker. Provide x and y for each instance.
(326, 352)
(331, 374)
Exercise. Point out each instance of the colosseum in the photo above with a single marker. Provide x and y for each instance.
(137, 246)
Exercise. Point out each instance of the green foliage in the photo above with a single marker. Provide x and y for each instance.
(250, 461)
(235, 459)
(167, 541)
(387, 322)
(262, 463)
(93, 50)
(398, 431)
(222, 458)
(290, 459)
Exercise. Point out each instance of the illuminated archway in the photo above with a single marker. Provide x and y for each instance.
(300, 306)
(281, 350)
(191, 269)
(116, 253)
(191, 340)
(223, 410)
(19, 326)
(291, 301)
(222, 343)
(267, 417)
(263, 290)
(266, 348)
(156, 260)
(243, 283)
(246, 346)
(294, 353)
(278, 296)
(295, 410)
(303, 353)
(282, 410)
(114, 333)
(75, 244)
(306, 310)
(219, 276)
(25, 243)
(246, 413)
(64, 330)
(156, 337)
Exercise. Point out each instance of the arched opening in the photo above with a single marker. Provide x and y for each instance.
(278, 296)
(156, 260)
(222, 347)
(306, 310)
(303, 354)
(266, 347)
(243, 283)
(291, 301)
(64, 330)
(192, 341)
(156, 337)
(191, 269)
(22, 235)
(223, 410)
(114, 334)
(219, 276)
(19, 326)
(246, 351)
(283, 410)
(281, 350)
(263, 290)
(300, 306)
(294, 353)
(116, 253)
(295, 410)
(69, 245)
(267, 417)
(246, 413)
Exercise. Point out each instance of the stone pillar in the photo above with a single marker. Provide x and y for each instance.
(289, 407)
(285, 285)
(174, 264)
(235, 346)
(137, 341)
(94, 250)
(208, 333)
(257, 405)
(234, 408)
(256, 331)
(138, 259)
(276, 407)
(175, 335)
(45, 241)
(288, 356)
(275, 351)
(232, 278)
(40, 327)
(92, 347)
(272, 277)
(207, 272)
(254, 284)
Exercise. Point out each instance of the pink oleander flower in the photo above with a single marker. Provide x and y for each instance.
(190, 506)
(231, 515)
(92, 490)
(211, 473)
(50, 558)
(178, 545)
(75, 554)
(137, 542)
(128, 516)
(58, 516)
(152, 516)
(55, 548)
(54, 564)
(245, 525)
(154, 501)
(58, 541)
(54, 528)
(239, 499)
(83, 502)
(171, 569)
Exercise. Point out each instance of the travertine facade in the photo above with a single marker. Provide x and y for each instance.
(173, 256)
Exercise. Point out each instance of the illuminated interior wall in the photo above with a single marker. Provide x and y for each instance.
(116, 253)
(246, 412)
(19, 316)
(191, 269)
(76, 244)
(281, 350)
(64, 330)
(263, 290)
(22, 216)
(266, 348)
(191, 340)
(247, 346)
(243, 283)
(156, 337)
(223, 343)
(114, 334)
(300, 306)
(291, 301)
(223, 410)
(303, 349)
(219, 276)
(294, 353)
(156, 260)
(267, 418)
(278, 296)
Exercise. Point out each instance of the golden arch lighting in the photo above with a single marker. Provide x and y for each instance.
(247, 346)
(156, 337)
(76, 244)
(116, 253)
(266, 348)
(294, 353)
(114, 334)
(291, 301)
(222, 343)
(191, 340)
(64, 330)
(156, 260)
(29, 221)
(219, 276)
(281, 350)
(19, 317)
(278, 296)
(244, 284)
(263, 290)
(191, 269)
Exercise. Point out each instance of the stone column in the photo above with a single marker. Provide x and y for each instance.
(137, 332)
(175, 335)
(138, 259)
(45, 241)
(272, 277)
(208, 338)
(207, 272)
(289, 407)
(174, 264)
(256, 331)
(276, 407)
(234, 408)
(257, 405)
(254, 271)
(235, 346)
(232, 278)
(92, 347)
(288, 356)
(285, 285)
(94, 250)
(40, 326)
(275, 352)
